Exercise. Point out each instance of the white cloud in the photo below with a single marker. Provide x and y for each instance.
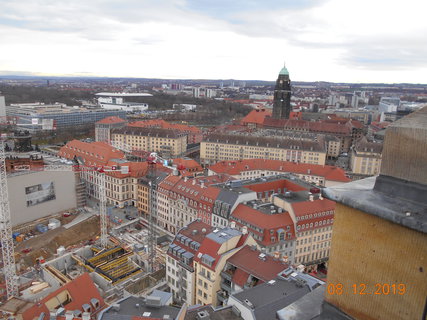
(363, 41)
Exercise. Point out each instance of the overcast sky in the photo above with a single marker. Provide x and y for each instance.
(320, 40)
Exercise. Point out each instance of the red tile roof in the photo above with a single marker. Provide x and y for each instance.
(190, 165)
(330, 173)
(260, 219)
(158, 123)
(110, 120)
(136, 169)
(247, 262)
(82, 289)
(93, 154)
(256, 116)
(240, 277)
(311, 126)
(306, 211)
(210, 247)
(264, 221)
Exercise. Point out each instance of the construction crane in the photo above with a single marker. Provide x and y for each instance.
(152, 219)
(9, 267)
(152, 159)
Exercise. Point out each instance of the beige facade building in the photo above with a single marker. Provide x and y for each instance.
(216, 148)
(366, 157)
(103, 128)
(166, 142)
(313, 217)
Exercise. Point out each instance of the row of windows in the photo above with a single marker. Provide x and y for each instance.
(315, 215)
(316, 224)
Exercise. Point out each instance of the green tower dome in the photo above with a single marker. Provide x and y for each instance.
(284, 71)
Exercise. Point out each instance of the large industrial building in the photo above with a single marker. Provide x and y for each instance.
(33, 195)
(38, 116)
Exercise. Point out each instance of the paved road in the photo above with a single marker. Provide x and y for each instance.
(120, 213)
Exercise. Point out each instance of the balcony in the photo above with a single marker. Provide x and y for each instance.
(226, 286)
(227, 274)
(222, 297)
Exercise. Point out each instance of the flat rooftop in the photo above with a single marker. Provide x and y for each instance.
(361, 195)
(136, 307)
(267, 298)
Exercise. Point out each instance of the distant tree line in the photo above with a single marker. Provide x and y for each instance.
(28, 94)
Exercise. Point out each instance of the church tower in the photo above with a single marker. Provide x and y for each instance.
(282, 95)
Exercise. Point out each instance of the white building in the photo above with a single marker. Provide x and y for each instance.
(116, 101)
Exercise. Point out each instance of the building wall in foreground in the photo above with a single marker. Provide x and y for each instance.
(367, 250)
(65, 195)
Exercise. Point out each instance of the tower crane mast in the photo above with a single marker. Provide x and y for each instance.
(9, 268)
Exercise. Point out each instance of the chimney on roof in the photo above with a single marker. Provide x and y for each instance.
(86, 316)
(320, 196)
(276, 255)
(69, 315)
(202, 184)
(194, 182)
(311, 197)
(232, 225)
(285, 259)
(244, 230)
(185, 179)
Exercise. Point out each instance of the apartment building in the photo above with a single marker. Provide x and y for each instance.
(179, 261)
(121, 188)
(230, 196)
(247, 169)
(196, 258)
(313, 217)
(218, 147)
(365, 158)
(270, 226)
(168, 143)
(144, 187)
(214, 251)
(182, 199)
(103, 128)
(289, 219)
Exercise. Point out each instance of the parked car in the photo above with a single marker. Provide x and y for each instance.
(26, 250)
(129, 217)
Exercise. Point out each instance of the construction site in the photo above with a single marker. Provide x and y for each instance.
(42, 255)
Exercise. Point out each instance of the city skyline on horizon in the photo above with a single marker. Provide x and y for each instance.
(179, 39)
